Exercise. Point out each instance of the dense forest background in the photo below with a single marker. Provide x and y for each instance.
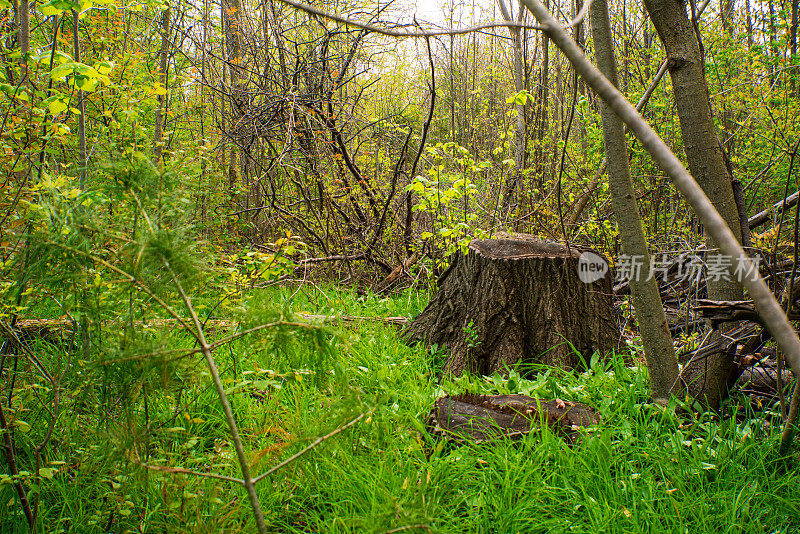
(189, 190)
(261, 120)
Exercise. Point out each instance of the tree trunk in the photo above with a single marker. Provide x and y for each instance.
(698, 130)
(233, 41)
(163, 53)
(24, 40)
(749, 20)
(706, 380)
(773, 41)
(515, 175)
(542, 110)
(76, 45)
(658, 348)
(793, 43)
(515, 300)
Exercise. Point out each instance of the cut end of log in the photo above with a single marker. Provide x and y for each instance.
(520, 246)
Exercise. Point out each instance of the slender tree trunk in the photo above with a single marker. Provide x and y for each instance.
(647, 43)
(76, 45)
(729, 125)
(24, 40)
(542, 108)
(163, 58)
(658, 349)
(625, 46)
(706, 381)
(698, 130)
(233, 40)
(514, 180)
(793, 44)
(726, 15)
(201, 194)
(749, 21)
(773, 40)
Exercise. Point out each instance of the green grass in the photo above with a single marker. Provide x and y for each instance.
(644, 469)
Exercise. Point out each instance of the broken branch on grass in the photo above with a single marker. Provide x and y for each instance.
(779, 207)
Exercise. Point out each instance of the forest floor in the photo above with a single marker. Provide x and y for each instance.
(643, 469)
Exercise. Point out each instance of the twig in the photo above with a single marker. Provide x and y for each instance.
(406, 33)
(183, 471)
(226, 406)
(316, 442)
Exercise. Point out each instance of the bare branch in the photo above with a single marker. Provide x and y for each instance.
(409, 33)
(183, 471)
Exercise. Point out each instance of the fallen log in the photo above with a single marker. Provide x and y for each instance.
(479, 418)
(760, 218)
(724, 311)
(762, 381)
(49, 328)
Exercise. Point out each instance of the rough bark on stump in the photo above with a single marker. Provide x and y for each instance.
(517, 300)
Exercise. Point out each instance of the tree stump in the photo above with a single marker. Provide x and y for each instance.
(517, 300)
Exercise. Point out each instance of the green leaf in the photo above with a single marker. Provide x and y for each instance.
(63, 70)
(104, 67)
(47, 472)
(56, 7)
(86, 83)
(22, 426)
(56, 104)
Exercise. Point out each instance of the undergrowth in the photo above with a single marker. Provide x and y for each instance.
(645, 468)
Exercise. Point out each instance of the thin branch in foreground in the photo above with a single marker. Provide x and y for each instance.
(315, 443)
(249, 485)
(184, 471)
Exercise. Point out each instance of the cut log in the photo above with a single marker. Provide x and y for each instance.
(762, 381)
(490, 417)
(516, 300)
